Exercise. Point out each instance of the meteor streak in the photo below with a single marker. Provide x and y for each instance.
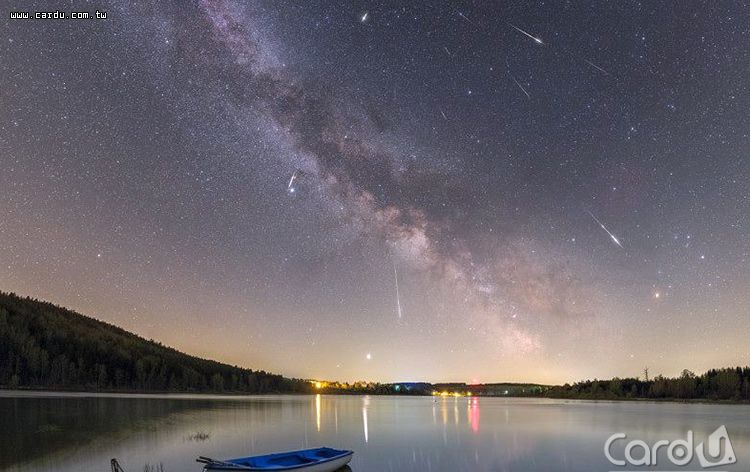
(291, 182)
(596, 67)
(614, 238)
(398, 297)
(521, 87)
(537, 40)
(295, 176)
(465, 18)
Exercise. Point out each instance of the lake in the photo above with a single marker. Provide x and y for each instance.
(81, 432)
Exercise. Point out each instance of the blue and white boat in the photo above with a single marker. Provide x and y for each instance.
(322, 459)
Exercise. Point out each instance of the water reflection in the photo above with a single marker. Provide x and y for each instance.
(66, 434)
(317, 411)
(444, 411)
(365, 405)
(473, 414)
(53, 424)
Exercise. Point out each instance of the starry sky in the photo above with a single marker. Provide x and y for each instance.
(351, 190)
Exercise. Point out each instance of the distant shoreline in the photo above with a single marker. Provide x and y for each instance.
(52, 349)
(32, 392)
(659, 400)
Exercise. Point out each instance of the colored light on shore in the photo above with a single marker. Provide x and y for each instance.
(446, 393)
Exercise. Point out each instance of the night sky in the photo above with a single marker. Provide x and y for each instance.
(454, 191)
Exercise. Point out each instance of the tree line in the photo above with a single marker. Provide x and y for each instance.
(46, 346)
(716, 384)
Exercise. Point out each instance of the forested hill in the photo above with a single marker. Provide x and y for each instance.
(46, 346)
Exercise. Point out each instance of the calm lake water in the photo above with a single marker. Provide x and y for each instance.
(72, 432)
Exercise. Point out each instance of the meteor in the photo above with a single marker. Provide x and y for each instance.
(291, 182)
(465, 18)
(614, 238)
(521, 87)
(398, 297)
(596, 67)
(537, 40)
(295, 176)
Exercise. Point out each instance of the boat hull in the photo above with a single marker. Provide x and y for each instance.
(309, 460)
(329, 466)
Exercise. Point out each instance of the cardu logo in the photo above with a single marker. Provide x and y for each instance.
(679, 452)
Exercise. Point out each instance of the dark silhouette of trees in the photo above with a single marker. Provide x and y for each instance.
(46, 346)
(716, 384)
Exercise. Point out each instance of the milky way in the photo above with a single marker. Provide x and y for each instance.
(241, 182)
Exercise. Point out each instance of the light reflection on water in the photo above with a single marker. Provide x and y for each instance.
(43, 432)
(317, 411)
(365, 405)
